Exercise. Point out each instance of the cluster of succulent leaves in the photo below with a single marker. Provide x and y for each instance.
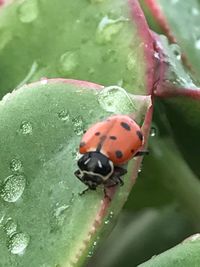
(65, 65)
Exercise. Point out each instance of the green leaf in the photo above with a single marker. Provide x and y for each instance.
(180, 22)
(183, 255)
(85, 41)
(43, 219)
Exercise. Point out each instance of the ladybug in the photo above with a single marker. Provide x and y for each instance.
(106, 147)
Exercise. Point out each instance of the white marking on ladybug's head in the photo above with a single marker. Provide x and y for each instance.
(104, 178)
(99, 163)
(86, 162)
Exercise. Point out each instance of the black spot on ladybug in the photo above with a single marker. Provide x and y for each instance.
(132, 151)
(84, 131)
(140, 135)
(125, 126)
(118, 154)
(82, 144)
(97, 133)
(113, 137)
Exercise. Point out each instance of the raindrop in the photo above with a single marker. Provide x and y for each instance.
(12, 188)
(197, 44)
(153, 131)
(115, 99)
(108, 28)
(28, 11)
(10, 227)
(18, 243)
(176, 51)
(109, 218)
(93, 247)
(26, 128)
(78, 125)
(15, 165)
(63, 115)
(68, 62)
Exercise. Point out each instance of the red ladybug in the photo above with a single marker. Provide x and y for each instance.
(106, 146)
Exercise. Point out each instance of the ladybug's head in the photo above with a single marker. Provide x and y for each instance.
(96, 164)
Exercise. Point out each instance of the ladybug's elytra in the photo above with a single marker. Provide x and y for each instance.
(106, 147)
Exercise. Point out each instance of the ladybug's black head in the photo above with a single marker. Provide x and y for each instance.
(96, 164)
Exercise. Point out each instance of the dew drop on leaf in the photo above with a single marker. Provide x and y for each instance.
(109, 217)
(68, 62)
(10, 227)
(108, 28)
(28, 11)
(64, 115)
(115, 99)
(18, 242)
(26, 128)
(12, 188)
(15, 165)
(77, 123)
(153, 131)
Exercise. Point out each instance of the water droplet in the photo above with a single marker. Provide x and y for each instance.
(176, 50)
(93, 247)
(108, 28)
(197, 44)
(64, 115)
(140, 170)
(109, 217)
(13, 188)
(26, 128)
(18, 243)
(15, 165)
(153, 131)
(78, 125)
(115, 99)
(68, 62)
(28, 11)
(10, 227)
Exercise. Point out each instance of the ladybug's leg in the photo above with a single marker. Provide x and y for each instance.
(78, 174)
(141, 153)
(119, 171)
(84, 191)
